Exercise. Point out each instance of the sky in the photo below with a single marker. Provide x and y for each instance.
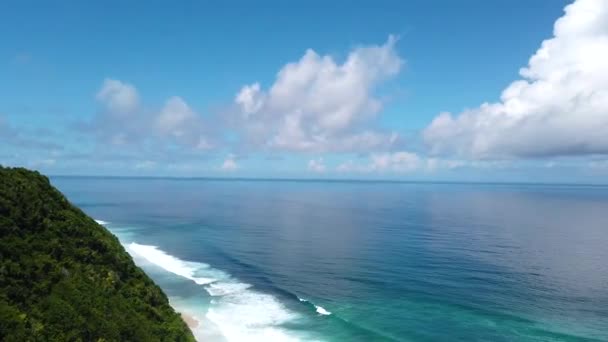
(467, 90)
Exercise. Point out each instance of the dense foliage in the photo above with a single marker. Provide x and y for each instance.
(63, 277)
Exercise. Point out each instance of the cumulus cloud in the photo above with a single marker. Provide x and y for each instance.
(229, 164)
(120, 120)
(118, 97)
(123, 121)
(317, 104)
(181, 123)
(558, 108)
(316, 165)
(174, 117)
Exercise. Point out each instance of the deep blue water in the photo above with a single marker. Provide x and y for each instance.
(366, 261)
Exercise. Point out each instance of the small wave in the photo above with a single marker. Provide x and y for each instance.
(319, 309)
(102, 222)
(172, 264)
(322, 311)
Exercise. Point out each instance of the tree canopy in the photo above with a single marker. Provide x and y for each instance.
(63, 277)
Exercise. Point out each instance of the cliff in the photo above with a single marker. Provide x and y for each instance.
(63, 277)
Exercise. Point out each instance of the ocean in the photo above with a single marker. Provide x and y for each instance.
(263, 260)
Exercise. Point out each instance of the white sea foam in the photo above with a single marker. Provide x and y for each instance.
(251, 316)
(101, 222)
(186, 269)
(243, 314)
(322, 311)
(226, 288)
(238, 311)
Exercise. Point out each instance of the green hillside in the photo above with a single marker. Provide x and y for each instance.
(63, 277)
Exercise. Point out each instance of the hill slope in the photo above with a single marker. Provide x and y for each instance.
(63, 277)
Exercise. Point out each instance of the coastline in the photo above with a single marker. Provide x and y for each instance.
(192, 322)
(202, 328)
(188, 318)
(206, 325)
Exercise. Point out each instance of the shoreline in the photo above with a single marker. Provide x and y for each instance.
(192, 322)
(202, 329)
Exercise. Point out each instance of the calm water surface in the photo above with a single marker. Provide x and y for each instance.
(365, 261)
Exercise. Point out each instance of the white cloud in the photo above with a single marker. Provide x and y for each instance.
(120, 121)
(117, 96)
(229, 164)
(175, 116)
(181, 123)
(317, 104)
(397, 162)
(409, 162)
(250, 98)
(433, 164)
(123, 122)
(559, 107)
(316, 165)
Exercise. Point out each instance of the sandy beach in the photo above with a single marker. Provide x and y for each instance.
(190, 321)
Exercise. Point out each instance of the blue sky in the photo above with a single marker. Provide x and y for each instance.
(276, 89)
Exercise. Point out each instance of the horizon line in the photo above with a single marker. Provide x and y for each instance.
(333, 180)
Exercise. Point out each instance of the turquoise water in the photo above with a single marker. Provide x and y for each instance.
(366, 261)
